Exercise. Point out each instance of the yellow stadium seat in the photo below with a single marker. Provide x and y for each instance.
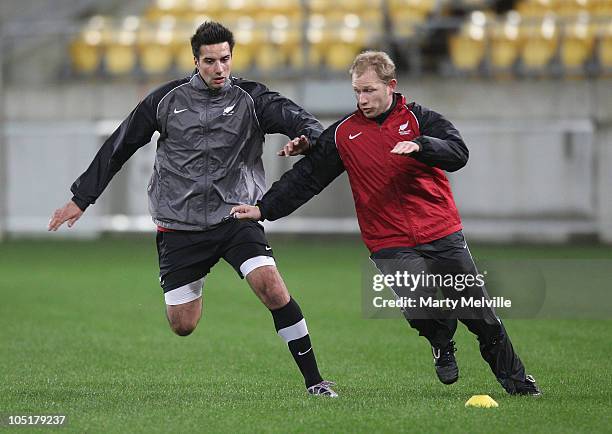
(156, 58)
(242, 57)
(120, 53)
(318, 6)
(268, 59)
(297, 58)
(85, 57)
(240, 7)
(339, 57)
(119, 59)
(576, 51)
(155, 45)
(578, 41)
(504, 42)
(358, 5)
(205, 7)
(405, 23)
(466, 53)
(417, 7)
(167, 8)
(183, 58)
(541, 42)
(504, 52)
(538, 52)
(603, 8)
(290, 7)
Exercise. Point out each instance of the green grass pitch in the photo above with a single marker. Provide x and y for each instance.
(83, 333)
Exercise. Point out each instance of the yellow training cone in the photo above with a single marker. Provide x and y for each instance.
(482, 401)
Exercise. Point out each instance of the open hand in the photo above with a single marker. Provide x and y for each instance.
(68, 213)
(405, 148)
(297, 146)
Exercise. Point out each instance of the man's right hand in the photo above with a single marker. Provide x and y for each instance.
(68, 213)
(297, 146)
(246, 212)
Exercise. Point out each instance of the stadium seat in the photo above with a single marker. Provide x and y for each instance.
(419, 8)
(242, 57)
(269, 59)
(537, 53)
(183, 58)
(504, 52)
(155, 49)
(541, 41)
(86, 51)
(156, 56)
(338, 57)
(577, 45)
(119, 59)
(466, 53)
(405, 23)
(120, 54)
(163, 8)
(206, 7)
(504, 42)
(85, 56)
(575, 52)
(288, 7)
(357, 5)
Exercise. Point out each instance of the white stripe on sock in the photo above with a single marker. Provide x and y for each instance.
(296, 331)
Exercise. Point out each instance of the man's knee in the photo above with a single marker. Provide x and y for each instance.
(184, 318)
(183, 328)
(269, 287)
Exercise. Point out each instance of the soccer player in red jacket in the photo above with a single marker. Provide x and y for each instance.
(395, 154)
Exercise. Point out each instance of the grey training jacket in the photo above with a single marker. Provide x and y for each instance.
(209, 151)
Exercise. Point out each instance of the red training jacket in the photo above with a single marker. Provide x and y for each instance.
(401, 201)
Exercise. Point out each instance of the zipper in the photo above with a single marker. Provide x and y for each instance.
(400, 201)
(206, 152)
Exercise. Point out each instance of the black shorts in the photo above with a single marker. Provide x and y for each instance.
(186, 256)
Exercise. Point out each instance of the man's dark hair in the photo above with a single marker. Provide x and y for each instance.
(210, 33)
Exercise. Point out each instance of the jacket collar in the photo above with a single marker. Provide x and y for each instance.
(198, 83)
(400, 101)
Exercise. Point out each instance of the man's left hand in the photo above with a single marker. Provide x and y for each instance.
(405, 148)
(297, 146)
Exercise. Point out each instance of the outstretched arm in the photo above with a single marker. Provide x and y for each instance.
(306, 179)
(133, 133)
(279, 114)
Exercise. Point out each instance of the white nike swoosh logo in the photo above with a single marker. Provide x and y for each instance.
(268, 248)
(351, 137)
(179, 111)
(301, 354)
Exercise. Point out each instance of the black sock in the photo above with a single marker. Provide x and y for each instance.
(291, 326)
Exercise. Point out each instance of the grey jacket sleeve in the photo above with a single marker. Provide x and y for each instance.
(440, 142)
(134, 132)
(278, 114)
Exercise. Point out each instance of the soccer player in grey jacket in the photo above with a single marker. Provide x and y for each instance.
(208, 159)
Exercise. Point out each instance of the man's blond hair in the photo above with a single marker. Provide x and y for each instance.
(379, 61)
